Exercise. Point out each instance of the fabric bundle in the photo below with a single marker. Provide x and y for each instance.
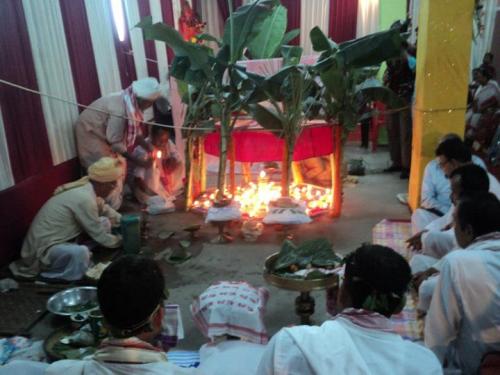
(232, 308)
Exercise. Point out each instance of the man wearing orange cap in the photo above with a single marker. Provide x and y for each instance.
(75, 208)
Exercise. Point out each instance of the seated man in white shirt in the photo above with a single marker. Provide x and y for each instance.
(435, 196)
(360, 339)
(163, 179)
(50, 247)
(466, 181)
(462, 323)
(231, 315)
(437, 239)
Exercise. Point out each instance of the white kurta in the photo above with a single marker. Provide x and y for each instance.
(341, 347)
(227, 357)
(437, 243)
(463, 320)
(61, 219)
(435, 194)
(152, 176)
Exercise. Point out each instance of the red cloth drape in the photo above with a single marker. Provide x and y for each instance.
(262, 146)
(343, 18)
(224, 8)
(149, 45)
(81, 54)
(24, 123)
(293, 8)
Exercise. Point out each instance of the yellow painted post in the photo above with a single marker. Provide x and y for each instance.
(298, 178)
(443, 54)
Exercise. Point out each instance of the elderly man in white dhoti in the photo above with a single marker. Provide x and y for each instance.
(462, 324)
(75, 208)
(360, 339)
(131, 294)
(110, 127)
(158, 185)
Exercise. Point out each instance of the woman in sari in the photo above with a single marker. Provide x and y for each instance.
(482, 117)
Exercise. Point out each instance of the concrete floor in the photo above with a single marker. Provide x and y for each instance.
(365, 204)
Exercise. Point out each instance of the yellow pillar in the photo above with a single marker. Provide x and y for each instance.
(443, 54)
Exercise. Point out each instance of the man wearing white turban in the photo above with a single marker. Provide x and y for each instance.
(110, 127)
(77, 207)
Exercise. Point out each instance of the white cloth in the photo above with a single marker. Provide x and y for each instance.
(226, 213)
(67, 261)
(368, 21)
(228, 356)
(342, 347)
(146, 88)
(61, 219)
(312, 13)
(22, 367)
(463, 319)
(420, 218)
(438, 243)
(233, 308)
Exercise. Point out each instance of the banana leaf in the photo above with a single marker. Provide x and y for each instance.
(321, 42)
(381, 94)
(372, 49)
(197, 55)
(209, 38)
(317, 252)
(240, 29)
(289, 36)
(291, 55)
(268, 118)
(270, 34)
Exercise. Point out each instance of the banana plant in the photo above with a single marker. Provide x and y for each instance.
(342, 67)
(286, 92)
(223, 86)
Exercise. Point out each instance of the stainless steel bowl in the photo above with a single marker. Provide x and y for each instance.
(74, 300)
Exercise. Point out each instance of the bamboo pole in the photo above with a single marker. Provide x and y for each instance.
(203, 165)
(189, 173)
(232, 160)
(336, 169)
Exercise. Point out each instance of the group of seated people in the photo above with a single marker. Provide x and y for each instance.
(483, 115)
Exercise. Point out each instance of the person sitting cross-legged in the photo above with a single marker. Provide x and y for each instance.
(435, 193)
(437, 239)
(466, 181)
(462, 324)
(50, 247)
(360, 339)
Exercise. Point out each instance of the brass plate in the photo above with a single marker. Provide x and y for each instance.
(296, 284)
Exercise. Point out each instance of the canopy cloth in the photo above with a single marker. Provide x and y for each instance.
(258, 145)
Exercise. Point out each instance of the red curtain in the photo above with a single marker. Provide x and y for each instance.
(293, 8)
(224, 8)
(149, 45)
(343, 17)
(168, 17)
(26, 135)
(81, 54)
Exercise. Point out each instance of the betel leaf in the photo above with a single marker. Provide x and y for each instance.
(270, 34)
(286, 256)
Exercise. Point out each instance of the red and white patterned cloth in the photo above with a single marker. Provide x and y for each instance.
(233, 308)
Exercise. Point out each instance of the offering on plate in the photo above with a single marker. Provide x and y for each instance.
(314, 259)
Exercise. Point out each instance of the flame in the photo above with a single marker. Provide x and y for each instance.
(254, 199)
(158, 154)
